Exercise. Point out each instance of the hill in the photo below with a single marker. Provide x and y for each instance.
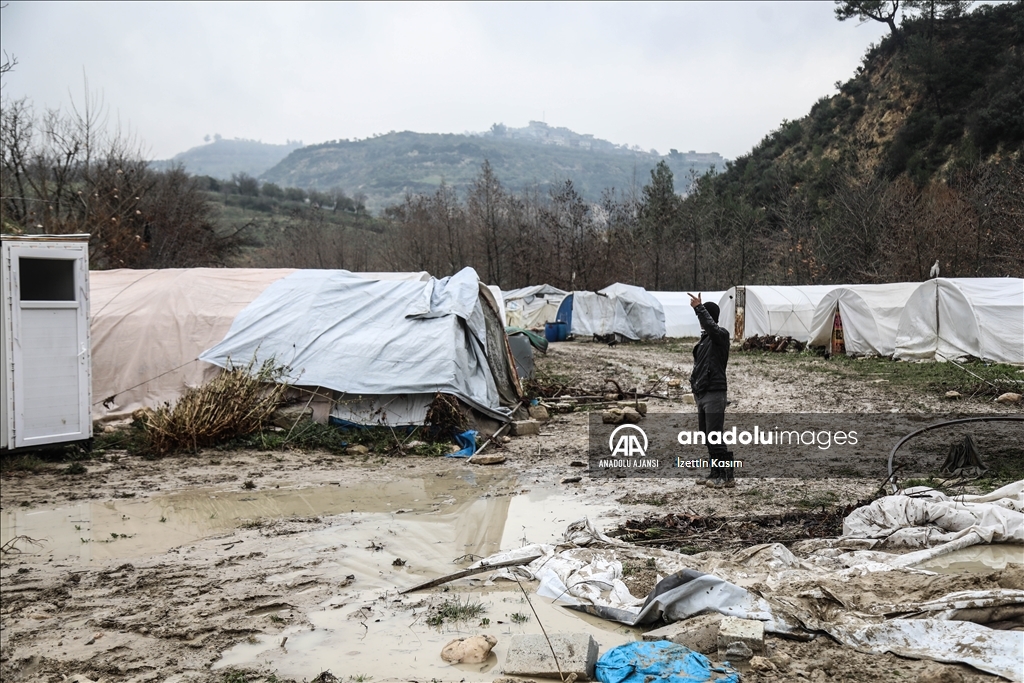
(384, 168)
(223, 158)
(941, 93)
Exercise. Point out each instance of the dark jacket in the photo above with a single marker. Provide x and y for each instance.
(710, 355)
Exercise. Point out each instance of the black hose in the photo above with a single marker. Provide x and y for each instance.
(908, 437)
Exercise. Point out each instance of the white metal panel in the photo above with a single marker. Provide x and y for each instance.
(49, 351)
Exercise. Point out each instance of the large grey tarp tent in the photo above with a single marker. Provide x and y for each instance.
(386, 347)
(151, 327)
(958, 317)
(867, 316)
(624, 310)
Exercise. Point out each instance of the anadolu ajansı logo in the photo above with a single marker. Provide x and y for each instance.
(628, 444)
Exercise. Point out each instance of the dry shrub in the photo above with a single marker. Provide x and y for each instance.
(236, 403)
(445, 415)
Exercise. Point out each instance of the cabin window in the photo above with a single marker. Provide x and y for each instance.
(45, 279)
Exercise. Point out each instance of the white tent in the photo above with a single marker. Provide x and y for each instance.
(868, 316)
(624, 310)
(786, 311)
(957, 317)
(680, 320)
(531, 307)
(382, 344)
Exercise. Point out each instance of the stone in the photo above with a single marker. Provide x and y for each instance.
(563, 408)
(641, 407)
(611, 397)
(631, 415)
(699, 633)
(530, 655)
(287, 417)
(747, 631)
(673, 383)
(539, 413)
(525, 428)
(781, 660)
(737, 651)
(952, 394)
(937, 673)
(472, 650)
(487, 459)
(1008, 398)
(689, 400)
(521, 413)
(357, 449)
(612, 416)
(758, 663)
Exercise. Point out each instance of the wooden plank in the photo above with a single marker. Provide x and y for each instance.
(470, 572)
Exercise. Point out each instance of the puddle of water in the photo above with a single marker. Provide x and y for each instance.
(976, 559)
(347, 633)
(128, 528)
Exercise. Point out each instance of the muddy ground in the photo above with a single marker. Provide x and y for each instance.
(237, 565)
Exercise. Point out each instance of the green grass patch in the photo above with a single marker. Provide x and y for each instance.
(454, 611)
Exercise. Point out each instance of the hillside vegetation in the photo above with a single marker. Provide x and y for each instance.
(222, 158)
(385, 168)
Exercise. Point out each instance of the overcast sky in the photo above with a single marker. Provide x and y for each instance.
(704, 76)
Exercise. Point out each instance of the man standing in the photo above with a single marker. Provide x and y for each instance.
(710, 356)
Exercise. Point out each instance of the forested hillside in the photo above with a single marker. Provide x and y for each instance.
(385, 168)
(220, 158)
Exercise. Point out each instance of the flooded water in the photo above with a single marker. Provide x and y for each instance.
(976, 559)
(366, 628)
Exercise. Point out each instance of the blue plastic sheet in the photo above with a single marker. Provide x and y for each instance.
(659, 662)
(468, 442)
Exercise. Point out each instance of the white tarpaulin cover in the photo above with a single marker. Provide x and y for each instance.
(980, 317)
(148, 328)
(628, 311)
(870, 315)
(362, 337)
(786, 311)
(680, 320)
(866, 600)
(531, 307)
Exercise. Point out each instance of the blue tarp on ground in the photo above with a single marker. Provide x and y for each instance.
(660, 661)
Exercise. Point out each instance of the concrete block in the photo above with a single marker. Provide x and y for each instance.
(530, 655)
(746, 631)
(539, 413)
(699, 633)
(525, 428)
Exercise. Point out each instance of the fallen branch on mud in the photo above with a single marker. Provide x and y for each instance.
(469, 572)
(12, 545)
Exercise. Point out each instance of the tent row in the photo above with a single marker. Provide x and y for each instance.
(372, 347)
(937, 319)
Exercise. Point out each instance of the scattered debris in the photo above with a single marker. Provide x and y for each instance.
(471, 650)
(571, 480)
(694, 533)
(398, 562)
(773, 343)
(478, 568)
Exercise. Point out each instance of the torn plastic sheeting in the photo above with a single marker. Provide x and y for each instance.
(986, 649)
(659, 662)
(932, 518)
(468, 442)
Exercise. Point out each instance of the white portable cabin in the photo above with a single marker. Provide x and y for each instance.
(958, 317)
(864, 317)
(786, 311)
(45, 350)
(680, 320)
